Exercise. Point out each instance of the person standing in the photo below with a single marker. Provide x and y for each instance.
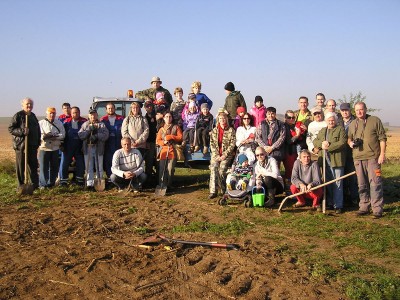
(332, 141)
(136, 128)
(200, 97)
(314, 127)
(66, 108)
(73, 147)
(350, 186)
(233, 100)
(258, 111)
(150, 94)
(150, 156)
(303, 114)
(168, 135)
(20, 133)
(94, 134)
(52, 133)
(271, 135)
(367, 138)
(113, 123)
(320, 100)
(222, 144)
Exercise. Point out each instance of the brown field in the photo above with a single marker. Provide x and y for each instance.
(80, 245)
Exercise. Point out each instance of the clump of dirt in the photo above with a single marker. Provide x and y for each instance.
(83, 247)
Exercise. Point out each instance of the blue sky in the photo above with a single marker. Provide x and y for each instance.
(56, 51)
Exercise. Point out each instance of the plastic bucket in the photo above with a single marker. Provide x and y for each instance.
(258, 199)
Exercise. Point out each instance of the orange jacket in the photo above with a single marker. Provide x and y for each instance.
(171, 134)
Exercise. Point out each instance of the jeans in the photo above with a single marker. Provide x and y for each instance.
(48, 167)
(335, 189)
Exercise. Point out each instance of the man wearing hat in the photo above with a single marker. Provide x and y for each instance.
(52, 133)
(350, 187)
(314, 127)
(233, 100)
(94, 134)
(151, 92)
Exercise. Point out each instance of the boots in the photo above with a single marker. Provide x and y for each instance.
(271, 198)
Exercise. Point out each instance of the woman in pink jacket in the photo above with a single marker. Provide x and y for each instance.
(258, 111)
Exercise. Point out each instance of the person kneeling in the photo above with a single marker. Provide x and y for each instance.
(306, 175)
(268, 176)
(128, 167)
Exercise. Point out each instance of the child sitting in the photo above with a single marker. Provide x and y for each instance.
(160, 105)
(189, 118)
(204, 125)
(242, 171)
(240, 111)
(177, 106)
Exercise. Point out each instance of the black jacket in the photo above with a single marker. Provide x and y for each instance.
(16, 128)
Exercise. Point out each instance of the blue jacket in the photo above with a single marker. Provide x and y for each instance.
(114, 139)
(202, 98)
(72, 139)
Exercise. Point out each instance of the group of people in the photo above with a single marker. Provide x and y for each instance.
(127, 149)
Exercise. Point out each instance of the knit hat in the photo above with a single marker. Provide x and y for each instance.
(159, 95)
(192, 104)
(230, 86)
(204, 105)
(258, 99)
(240, 109)
(242, 158)
(192, 96)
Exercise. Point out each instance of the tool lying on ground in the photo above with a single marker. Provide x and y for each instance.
(161, 238)
(314, 188)
(26, 188)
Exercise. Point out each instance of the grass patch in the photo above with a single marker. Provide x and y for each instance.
(234, 227)
(381, 287)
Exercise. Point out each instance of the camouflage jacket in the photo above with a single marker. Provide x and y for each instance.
(228, 143)
(151, 94)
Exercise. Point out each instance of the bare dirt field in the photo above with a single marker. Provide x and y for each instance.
(70, 244)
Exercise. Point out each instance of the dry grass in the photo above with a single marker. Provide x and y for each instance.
(393, 144)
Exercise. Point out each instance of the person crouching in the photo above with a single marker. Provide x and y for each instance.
(128, 167)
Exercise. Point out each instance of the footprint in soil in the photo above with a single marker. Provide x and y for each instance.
(207, 265)
(223, 276)
(194, 257)
(241, 285)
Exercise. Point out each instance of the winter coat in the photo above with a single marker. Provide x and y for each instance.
(16, 128)
(232, 102)
(151, 94)
(202, 98)
(172, 134)
(96, 137)
(137, 129)
(56, 128)
(337, 139)
(72, 139)
(258, 114)
(278, 138)
(228, 143)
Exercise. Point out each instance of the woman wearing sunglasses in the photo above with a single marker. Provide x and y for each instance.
(245, 135)
(266, 172)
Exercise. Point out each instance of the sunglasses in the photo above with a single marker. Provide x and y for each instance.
(246, 118)
(317, 113)
(291, 118)
(260, 154)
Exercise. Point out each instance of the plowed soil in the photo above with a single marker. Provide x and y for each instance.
(82, 245)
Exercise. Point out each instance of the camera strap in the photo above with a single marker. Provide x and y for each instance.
(364, 125)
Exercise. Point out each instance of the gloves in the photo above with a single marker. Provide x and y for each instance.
(169, 137)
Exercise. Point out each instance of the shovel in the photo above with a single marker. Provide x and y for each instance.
(159, 237)
(314, 188)
(324, 175)
(26, 188)
(99, 183)
(161, 189)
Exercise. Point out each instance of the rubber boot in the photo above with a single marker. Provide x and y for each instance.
(271, 198)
